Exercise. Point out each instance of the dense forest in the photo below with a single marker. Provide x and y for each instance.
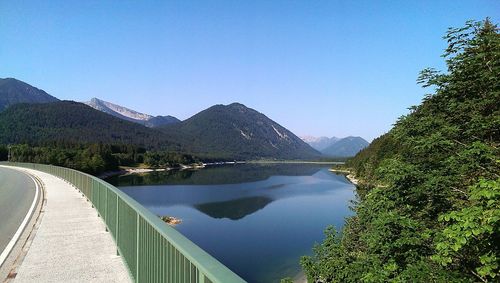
(69, 123)
(165, 159)
(94, 158)
(429, 202)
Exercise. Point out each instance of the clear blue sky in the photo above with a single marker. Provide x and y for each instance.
(332, 68)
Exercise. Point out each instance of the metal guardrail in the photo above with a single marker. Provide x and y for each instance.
(152, 250)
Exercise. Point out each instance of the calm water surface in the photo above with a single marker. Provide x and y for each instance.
(258, 220)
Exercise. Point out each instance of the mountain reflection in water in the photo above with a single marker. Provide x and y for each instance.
(235, 195)
(234, 209)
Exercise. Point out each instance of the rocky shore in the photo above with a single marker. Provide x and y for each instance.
(348, 174)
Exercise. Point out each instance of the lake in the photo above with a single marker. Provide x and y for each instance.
(257, 219)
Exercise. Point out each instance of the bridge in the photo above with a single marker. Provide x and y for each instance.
(65, 225)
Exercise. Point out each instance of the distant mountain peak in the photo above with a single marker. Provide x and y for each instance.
(345, 147)
(319, 143)
(129, 114)
(124, 111)
(13, 91)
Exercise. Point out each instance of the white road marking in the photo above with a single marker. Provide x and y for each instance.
(14, 239)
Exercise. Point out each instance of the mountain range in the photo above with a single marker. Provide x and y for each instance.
(131, 115)
(319, 143)
(345, 147)
(228, 132)
(337, 147)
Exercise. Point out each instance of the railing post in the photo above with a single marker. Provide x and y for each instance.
(117, 231)
(106, 210)
(98, 198)
(137, 250)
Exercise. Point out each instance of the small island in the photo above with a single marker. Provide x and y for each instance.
(170, 220)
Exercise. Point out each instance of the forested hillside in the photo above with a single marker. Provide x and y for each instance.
(429, 203)
(217, 133)
(68, 122)
(74, 135)
(237, 132)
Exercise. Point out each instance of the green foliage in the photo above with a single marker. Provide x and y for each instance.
(96, 158)
(168, 159)
(93, 159)
(368, 159)
(472, 234)
(429, 204)
(328, 261)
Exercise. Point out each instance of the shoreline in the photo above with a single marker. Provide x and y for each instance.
(128, 171)
(300, 278)
(295, 162)
(347, 173)
(136, 170)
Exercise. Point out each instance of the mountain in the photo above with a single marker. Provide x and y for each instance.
(219, 132)
(319, 143)
(346, 147)
(13, 91)
(158, 121)
(129, 114)
(238, 132)
(336, 147)
(68, 122)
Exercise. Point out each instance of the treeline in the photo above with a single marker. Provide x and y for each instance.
(165, 159)
(93, 158)
(429, 209)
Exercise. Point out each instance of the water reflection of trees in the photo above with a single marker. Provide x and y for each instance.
(222, 174)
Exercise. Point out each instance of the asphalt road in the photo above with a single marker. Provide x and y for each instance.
(17, 191)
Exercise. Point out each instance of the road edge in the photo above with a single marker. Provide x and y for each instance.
(25, 235)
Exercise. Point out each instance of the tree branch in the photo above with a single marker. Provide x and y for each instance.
(459, 143)
(460, 191)
(478, 276)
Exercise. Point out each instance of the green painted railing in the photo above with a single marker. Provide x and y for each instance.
(152, 250)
